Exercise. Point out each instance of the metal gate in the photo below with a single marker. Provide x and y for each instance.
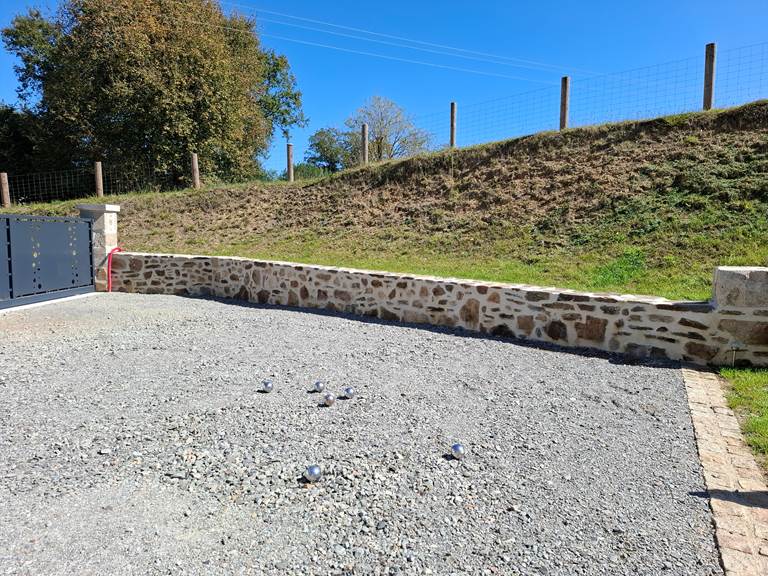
(42, 258)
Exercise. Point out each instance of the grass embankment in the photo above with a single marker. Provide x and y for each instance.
(642, 207)
(748, 397)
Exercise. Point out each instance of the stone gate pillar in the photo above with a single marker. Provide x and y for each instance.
(104, 237)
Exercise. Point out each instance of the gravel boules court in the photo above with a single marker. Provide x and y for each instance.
(136, 438)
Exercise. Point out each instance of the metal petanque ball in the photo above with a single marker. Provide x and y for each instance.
(267, 386)
(458, 451)
(312, 473)
(329, 399)
(319, 386)
(349, 392)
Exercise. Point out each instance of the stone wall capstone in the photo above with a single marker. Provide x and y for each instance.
(719, 332)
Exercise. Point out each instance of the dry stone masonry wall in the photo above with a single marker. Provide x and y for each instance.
(733, 327)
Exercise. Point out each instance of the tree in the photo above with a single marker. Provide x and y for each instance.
(149, 81)
(304, 171)
(20, 132)
(329, 148)
(391, 132)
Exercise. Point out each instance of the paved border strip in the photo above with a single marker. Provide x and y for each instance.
(737, 490)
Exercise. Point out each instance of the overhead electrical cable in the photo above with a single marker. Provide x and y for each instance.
(400, 45)
(555, 67)
(408, 60)
(373, 54)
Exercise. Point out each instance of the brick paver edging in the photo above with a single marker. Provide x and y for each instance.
(736, 487)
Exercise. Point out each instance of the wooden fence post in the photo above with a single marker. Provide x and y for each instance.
(99, 179)
(364, 145)
(289, 160)
(709, 75)
(195, 172)
(565, 101)
(5, 192)
(453, 125)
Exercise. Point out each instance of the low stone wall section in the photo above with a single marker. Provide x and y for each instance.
(642, 327)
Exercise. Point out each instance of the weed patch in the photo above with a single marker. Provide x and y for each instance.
(748, 396)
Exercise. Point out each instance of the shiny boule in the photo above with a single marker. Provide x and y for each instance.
(319, 386)
(267, 386)
(329, 399)
(458, 451)
(312, 473)
(349, 392)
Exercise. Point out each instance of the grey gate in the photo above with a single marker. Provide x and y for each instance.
(42, 258)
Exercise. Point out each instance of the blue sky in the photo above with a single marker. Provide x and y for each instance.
(579, 38)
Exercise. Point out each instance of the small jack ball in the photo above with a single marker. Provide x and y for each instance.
(312, 473)
(329, 399)
(319, 386)
(267, 386)
(458, 451)
(349, 392)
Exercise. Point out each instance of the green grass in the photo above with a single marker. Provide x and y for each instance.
(590, 270)
(748, 397)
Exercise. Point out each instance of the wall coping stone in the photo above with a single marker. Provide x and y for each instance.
(99, 208)
(741, 286)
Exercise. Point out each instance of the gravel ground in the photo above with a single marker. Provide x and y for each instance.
(133, 441)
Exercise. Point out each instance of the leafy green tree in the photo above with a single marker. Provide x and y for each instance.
(306, 171)
(391, 134)
(149, 81)
(329, 149)
(20, 132)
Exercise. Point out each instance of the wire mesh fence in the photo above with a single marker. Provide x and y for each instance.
(740, 76)
(53, 185)
(648, 92)
(116, 179)
(126, 179)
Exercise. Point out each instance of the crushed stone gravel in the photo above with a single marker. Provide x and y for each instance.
(134, 439)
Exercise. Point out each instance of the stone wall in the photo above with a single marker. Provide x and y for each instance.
(701, 332)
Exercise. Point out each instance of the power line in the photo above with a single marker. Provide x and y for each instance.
(404, 39)
(401, 45)
(408, 60)
(371, 54)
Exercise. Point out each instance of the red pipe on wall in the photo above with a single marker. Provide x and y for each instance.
(109, 267)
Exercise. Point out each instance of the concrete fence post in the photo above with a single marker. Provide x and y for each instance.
(195, 172)
(103, 237)
(709, 75)
(364, 145)
(289, 162)
(565, 101)
(453, 125)
(5, 191)
(97, 175)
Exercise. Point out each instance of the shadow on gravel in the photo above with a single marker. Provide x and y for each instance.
(620, 359)
(753, 498)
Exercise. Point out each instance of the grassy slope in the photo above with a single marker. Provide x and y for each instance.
(646, 207)
(748, 396)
